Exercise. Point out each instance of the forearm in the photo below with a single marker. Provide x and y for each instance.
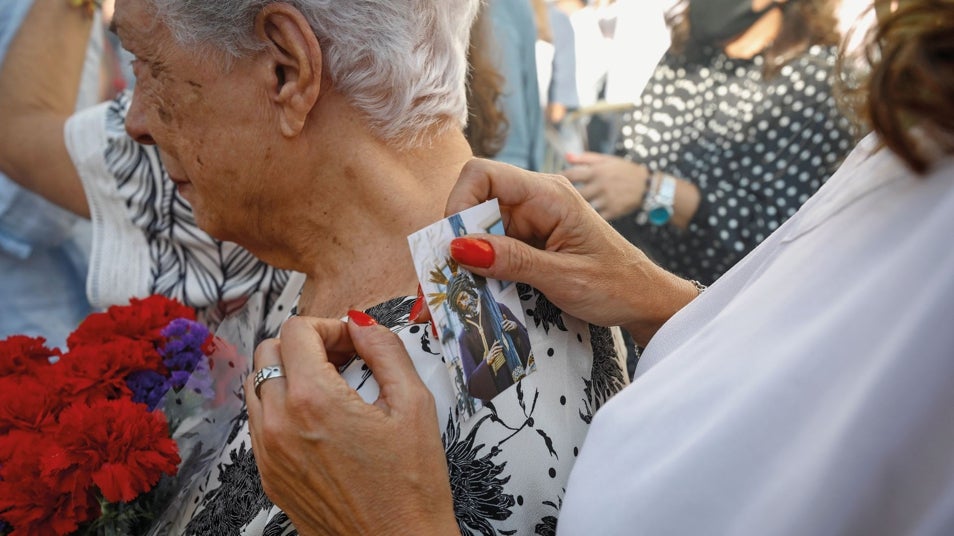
(651, 296)
(39, 80)
(42, 70)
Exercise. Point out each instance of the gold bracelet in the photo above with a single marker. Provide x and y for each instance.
(89, 5)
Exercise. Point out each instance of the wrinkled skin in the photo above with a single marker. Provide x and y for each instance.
(559, 244)
(334, 463)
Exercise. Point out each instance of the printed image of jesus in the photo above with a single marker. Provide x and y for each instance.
(494, 345)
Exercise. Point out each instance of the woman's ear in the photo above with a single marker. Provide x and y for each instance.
(294, 61)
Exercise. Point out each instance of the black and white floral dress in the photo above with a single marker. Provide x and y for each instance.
(508, 463)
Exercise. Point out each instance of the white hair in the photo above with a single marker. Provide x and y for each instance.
(403, 63)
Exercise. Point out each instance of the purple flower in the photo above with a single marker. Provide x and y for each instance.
(183, 347)
(178, 379)
(148, 387)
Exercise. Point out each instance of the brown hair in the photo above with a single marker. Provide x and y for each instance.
(487, 124)
(912, 79)
(804, 23)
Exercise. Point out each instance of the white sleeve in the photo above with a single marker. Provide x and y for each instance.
(119, 264)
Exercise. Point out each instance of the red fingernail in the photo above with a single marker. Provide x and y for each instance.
(418, 307)
(361, 319)
(472, 252)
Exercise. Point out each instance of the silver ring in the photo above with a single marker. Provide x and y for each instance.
(267, 373)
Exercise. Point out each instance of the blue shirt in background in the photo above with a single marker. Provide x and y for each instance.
(515, 34)
(43, 249)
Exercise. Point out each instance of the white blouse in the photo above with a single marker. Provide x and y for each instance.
(810, 390)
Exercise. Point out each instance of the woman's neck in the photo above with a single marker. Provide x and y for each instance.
(382, 275)
(358, 256)
(758, 37)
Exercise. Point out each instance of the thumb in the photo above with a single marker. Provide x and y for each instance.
(502, 257)
(387, 358)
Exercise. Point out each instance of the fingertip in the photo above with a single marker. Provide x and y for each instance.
(473, 252)
(295, 324)
(420, 313)
(361, 331)
(361, 319)
(416, 310)
(378, 346)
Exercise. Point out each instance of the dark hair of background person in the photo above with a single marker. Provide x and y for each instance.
(912, 80)
(804, 23)
(487, 125)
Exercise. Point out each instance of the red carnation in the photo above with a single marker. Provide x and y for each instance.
(26, 403)
(162, 309)
(119, 444)
(15, 447)
(35, 505)
(96, 328)
(24, 356)
(140, 320)
(71, 438)
(94, 372)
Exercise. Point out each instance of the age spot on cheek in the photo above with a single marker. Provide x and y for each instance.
(164, 115)
(194, 94)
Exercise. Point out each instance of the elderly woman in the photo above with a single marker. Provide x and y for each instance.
(317, 135)
(808, 391)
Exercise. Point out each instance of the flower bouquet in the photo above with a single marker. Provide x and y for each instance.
(87, 436)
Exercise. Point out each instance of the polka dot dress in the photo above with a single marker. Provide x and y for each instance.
(756, 147)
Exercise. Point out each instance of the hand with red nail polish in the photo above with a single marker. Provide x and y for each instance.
(557, 243)
(312, 431)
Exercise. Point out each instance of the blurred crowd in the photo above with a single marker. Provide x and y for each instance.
(620, 95)
(695, 137)
(633, 100)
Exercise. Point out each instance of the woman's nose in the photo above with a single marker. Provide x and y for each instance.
(137, 123)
